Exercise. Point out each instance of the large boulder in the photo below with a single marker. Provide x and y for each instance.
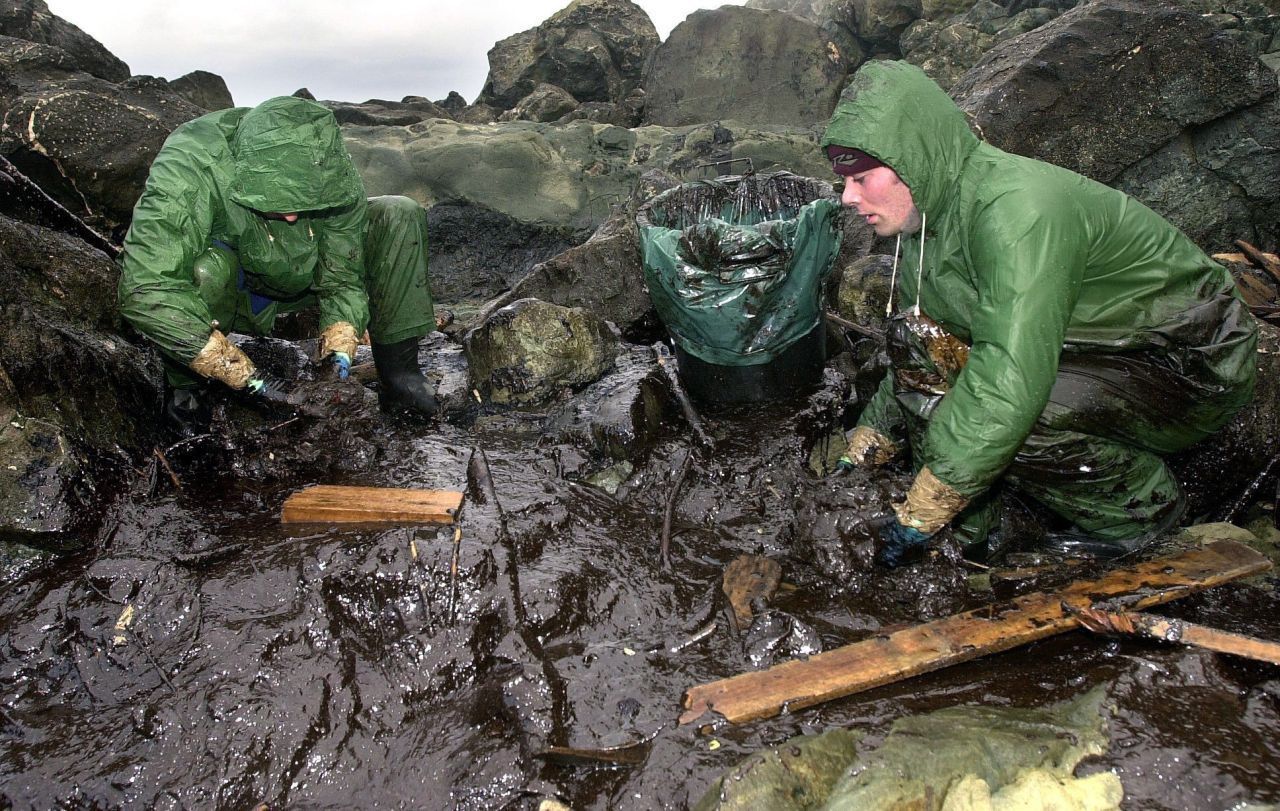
(602, 275)
(749, 65)
(947, 48)
(594, 49)
(90, 143)
(203, 89)
(385, 113)
(31, 20)
(79, 401)
(529, 351)
(1108, 83)
(1219, 182)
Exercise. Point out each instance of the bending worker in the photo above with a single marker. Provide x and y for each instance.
(1054, 336)
(249, 213)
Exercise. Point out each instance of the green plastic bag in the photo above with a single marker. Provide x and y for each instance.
(735, 265)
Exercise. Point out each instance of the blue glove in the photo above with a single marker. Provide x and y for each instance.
(270, 388)
(894, 540)
(341, 364)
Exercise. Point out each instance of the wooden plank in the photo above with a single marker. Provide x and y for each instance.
(337, 504)
(962, 637)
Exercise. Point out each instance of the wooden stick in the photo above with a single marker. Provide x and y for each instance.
(865, 332)
(20, 189)
(664, 549)
(1252, 490)
(924, 648)
(453, 575)
(668, 365)
(1133, 623)
(173, 477)
(1266, 262)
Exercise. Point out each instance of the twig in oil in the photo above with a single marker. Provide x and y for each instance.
(453, 575)
(173, 477)
(664, 550)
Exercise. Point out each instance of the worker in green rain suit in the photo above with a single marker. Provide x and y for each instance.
(1054, 336)
(249, 213)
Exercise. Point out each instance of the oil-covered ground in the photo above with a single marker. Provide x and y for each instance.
(206, 656)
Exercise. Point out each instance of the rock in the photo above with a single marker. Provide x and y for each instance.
(1220, 181)
(203, 89)
(61, 355)
(88, 143)
(863, 291)
(476, 252)
(31, 20)
(44, 494)
(620, 416)
(758, 67)
(944, 51)
(303, 93)
(594, 49)
(453, 104)
(545, 103)
(880, 23)
(384, 113)
(603, 276)
(1218, 469)
(528, 351)
(1108, 83)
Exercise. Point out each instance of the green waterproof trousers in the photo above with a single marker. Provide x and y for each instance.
(395, 279)
(1094, 456)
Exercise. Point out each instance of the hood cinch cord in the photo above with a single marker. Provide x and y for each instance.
(924, 221)
(893, 278)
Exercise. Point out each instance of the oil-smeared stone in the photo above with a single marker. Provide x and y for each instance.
(43, 489)
(619, 416)
(530, 350)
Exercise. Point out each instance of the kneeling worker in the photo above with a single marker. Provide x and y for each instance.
(249, 213)
(1055, 336)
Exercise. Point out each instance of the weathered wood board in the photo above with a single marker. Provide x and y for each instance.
(963, 637)
(337, 504)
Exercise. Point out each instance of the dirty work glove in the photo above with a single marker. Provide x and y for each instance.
(341, 364)
(270, 388)
(894, 540)
(867, 448)
(845, 465)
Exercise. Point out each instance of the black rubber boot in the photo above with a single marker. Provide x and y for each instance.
(187, 411)
(403, 388)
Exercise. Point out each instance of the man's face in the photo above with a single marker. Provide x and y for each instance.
(883, 200)
(290, 218)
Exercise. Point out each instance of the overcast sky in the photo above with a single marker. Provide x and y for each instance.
(338, 49)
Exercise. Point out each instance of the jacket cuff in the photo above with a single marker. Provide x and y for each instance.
(222, 360)
(931, 503)
(867, 446)
(339, 336)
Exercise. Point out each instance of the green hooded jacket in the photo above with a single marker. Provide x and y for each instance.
(213, 173)
(1025, 261)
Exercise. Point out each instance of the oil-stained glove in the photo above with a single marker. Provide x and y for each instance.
(270, 388)
(894, 540)
(341, 364)
(867, 448)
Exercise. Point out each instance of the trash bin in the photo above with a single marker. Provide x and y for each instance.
(735, 268)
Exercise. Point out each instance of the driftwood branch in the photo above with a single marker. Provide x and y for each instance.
(865, 332)
(664, 550)
(1151, 626)
(1266, 262)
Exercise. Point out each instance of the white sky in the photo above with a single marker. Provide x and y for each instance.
(338, 49)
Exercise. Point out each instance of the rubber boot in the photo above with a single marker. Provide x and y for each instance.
(187, 411)
(403, 386)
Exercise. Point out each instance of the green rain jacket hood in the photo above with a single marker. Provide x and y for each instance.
(207, 186)
(1025, 261)
(289, 157)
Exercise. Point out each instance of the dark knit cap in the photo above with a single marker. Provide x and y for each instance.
(847, 161)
